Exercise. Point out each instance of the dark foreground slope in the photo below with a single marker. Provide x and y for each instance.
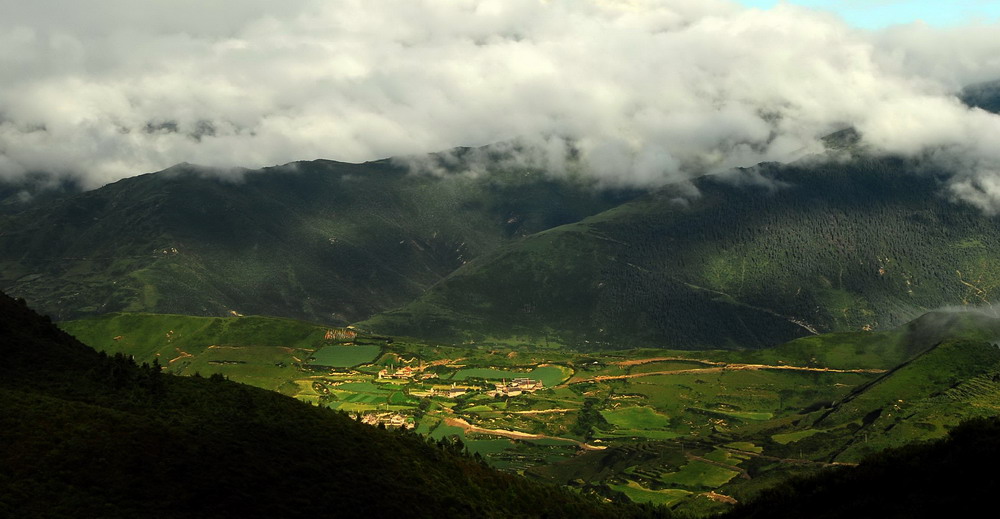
(955, 477)
(324, 241)
(755, 260)
(86, 435)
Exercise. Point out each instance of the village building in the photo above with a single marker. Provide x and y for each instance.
(455, 392)
(448, 392)
(404, 372)
(339, 334)
(516, 387)
(389, 420)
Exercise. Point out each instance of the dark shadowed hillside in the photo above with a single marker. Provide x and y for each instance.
(946, 478)
(88, 435)
(325, 241)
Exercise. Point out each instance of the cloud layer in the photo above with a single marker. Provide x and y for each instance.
(643, 91)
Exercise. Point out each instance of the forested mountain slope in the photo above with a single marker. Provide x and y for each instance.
(754, 260)
(324, 241)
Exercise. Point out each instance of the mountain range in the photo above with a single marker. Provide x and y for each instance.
(324, 241)
(750, 259)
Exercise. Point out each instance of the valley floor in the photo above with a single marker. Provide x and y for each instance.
(696, 431)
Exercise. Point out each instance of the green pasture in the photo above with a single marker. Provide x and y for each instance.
(640, 494)
(360, 387)
(444, 431)
(740, 415)
(339, 356)
(138, 333)
(698, 475)
(745, 446)
(787, 438)
(485, 447)
(727, 457)
(261, 366)
(649, 434)
(636, 418)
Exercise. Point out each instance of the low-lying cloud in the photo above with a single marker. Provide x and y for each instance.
(641, 92)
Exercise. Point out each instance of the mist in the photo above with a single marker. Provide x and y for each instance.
(633, 93)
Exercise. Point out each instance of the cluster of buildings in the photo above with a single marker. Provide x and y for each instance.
(516, 387)
(341, 334)
(389, 420)
(405, 373)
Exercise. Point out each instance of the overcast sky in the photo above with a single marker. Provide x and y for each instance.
(648, 91)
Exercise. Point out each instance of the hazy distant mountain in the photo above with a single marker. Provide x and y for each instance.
(983, 95)
(16, 196)
(782, 251)
(323, 240)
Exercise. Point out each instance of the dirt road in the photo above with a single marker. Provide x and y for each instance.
(515, 435)
(720, 367)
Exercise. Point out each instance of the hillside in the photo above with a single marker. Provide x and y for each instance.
(918, 400)
(266, 352)
(91, 435)
(324, 241)
(939, 479)
(757, 259)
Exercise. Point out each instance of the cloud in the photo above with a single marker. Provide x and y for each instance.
(633, 92)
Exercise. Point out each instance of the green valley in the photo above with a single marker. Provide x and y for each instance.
(87, 434)
(696, 431)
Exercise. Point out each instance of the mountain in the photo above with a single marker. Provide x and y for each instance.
(89, 435)
(323, 241)
(983, 95)
(753, 260)
(15, 196)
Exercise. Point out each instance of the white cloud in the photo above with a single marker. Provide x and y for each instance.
(646, 91)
